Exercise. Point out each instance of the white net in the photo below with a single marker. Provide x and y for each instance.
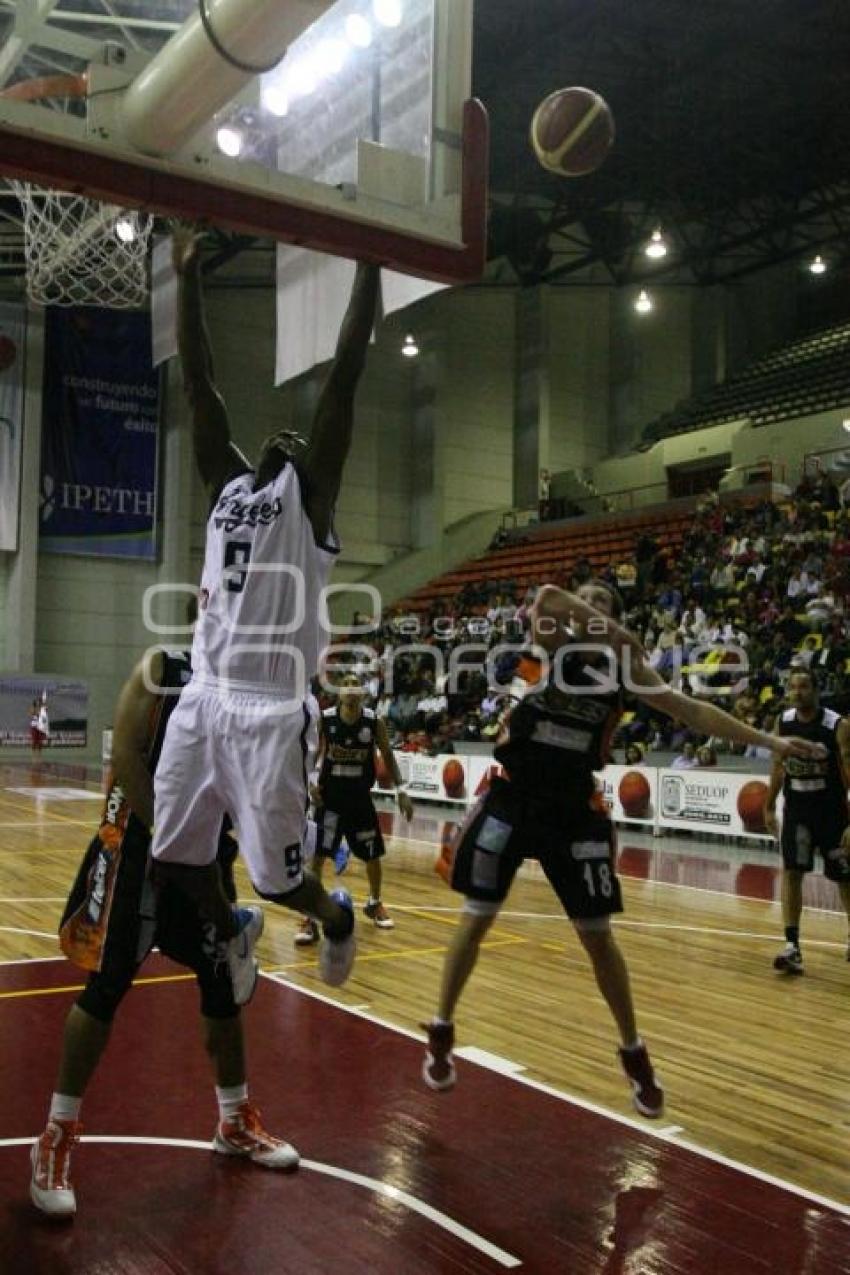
(81, 252)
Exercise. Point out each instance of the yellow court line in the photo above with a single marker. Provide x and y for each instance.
(78, 987)
(310, 966)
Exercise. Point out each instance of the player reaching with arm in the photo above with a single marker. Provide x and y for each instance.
(342, 796)
(240, 737)
(814, 790)
(546, 808)
(112, 920)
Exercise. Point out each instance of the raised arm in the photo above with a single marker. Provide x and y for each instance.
(708, 719)
(131, 736)
(330, 439)
(217, 458)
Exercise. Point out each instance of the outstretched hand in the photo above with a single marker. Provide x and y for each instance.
(793, 746)
(184, 248)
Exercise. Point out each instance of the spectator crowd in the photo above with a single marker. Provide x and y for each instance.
(766, 584)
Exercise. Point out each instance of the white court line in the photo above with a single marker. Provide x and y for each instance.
(33, 899)
(618, 919)
(643, 1127)
(389, 1192)
(36, 934)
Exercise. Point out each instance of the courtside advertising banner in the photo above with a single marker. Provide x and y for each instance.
(99, 434)
(712, 801)
(12, 345)
(58, 707)
(630, 793)
(441, 778)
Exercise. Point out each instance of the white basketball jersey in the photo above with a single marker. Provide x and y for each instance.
(259, 626)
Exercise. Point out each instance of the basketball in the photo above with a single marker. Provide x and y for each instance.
(634, 793)
(454, 780)
(572, 131)
(751, 805)
(8, 352)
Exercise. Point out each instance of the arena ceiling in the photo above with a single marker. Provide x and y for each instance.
(733, 126)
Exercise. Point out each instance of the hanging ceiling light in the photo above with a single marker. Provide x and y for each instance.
(124, 229)
(275, 101)
(656, 248)
(410, 349)
(818, 265)
(229, 141)
(358, 31)
(387, 12)
(643, 304)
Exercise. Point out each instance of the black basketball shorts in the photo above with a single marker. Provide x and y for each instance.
(353, 819)
(576, 850)
(805, 832)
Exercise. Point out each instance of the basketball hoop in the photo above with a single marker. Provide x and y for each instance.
(78, 250)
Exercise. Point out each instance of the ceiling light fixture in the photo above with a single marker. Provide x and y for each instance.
(410, 349)
(387, 12)
(643, 304)
(818, 265)
(125, 230)
(657, 247)
(229, 141)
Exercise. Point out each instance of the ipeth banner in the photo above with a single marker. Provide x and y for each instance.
(99, 435)
(12, 336)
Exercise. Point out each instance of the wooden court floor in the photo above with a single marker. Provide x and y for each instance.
(755, 1065)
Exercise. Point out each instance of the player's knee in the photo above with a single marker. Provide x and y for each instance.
(101, 997)
(594, 932)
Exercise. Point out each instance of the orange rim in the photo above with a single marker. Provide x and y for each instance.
(48, 86)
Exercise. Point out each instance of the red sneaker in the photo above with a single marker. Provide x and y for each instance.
(438, 1069)
(243, 1134)
(50, 1186)
(648, 1096)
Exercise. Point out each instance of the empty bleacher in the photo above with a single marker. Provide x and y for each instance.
(548, 556)
(811, 374)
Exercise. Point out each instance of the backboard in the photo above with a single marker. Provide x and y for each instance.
(361, 140)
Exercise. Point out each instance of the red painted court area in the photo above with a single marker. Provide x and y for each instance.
(504, 1176)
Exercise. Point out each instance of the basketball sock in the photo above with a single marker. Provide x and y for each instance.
(636, 1044)
(792, 934)
(64, 1106)
(436, 1021)
(230, 1099)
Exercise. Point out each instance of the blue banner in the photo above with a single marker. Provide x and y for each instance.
(100, 429)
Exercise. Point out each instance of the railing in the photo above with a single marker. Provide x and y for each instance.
(812, 462)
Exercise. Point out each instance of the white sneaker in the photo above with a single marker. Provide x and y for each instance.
(336, 956)
(240, 953)
(243, 1134)
(50, 1186)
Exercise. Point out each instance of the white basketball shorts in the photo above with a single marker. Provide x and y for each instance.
(242, 754)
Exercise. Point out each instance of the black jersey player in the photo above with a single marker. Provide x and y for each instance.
(814, 791)
(342, 795)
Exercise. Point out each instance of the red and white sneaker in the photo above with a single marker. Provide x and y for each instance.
(438, 1068)
(243, 1134)
(50, 1186)
(647, 1094)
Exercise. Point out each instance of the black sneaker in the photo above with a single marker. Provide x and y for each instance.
(647, 1094)
(438, 1069)
(789, 960)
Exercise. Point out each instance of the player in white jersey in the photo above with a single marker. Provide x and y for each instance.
(239, 740)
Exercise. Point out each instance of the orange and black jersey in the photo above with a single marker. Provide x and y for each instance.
(348, 764)
(560, 732)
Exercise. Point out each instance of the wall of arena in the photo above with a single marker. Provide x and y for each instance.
(461, 430)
